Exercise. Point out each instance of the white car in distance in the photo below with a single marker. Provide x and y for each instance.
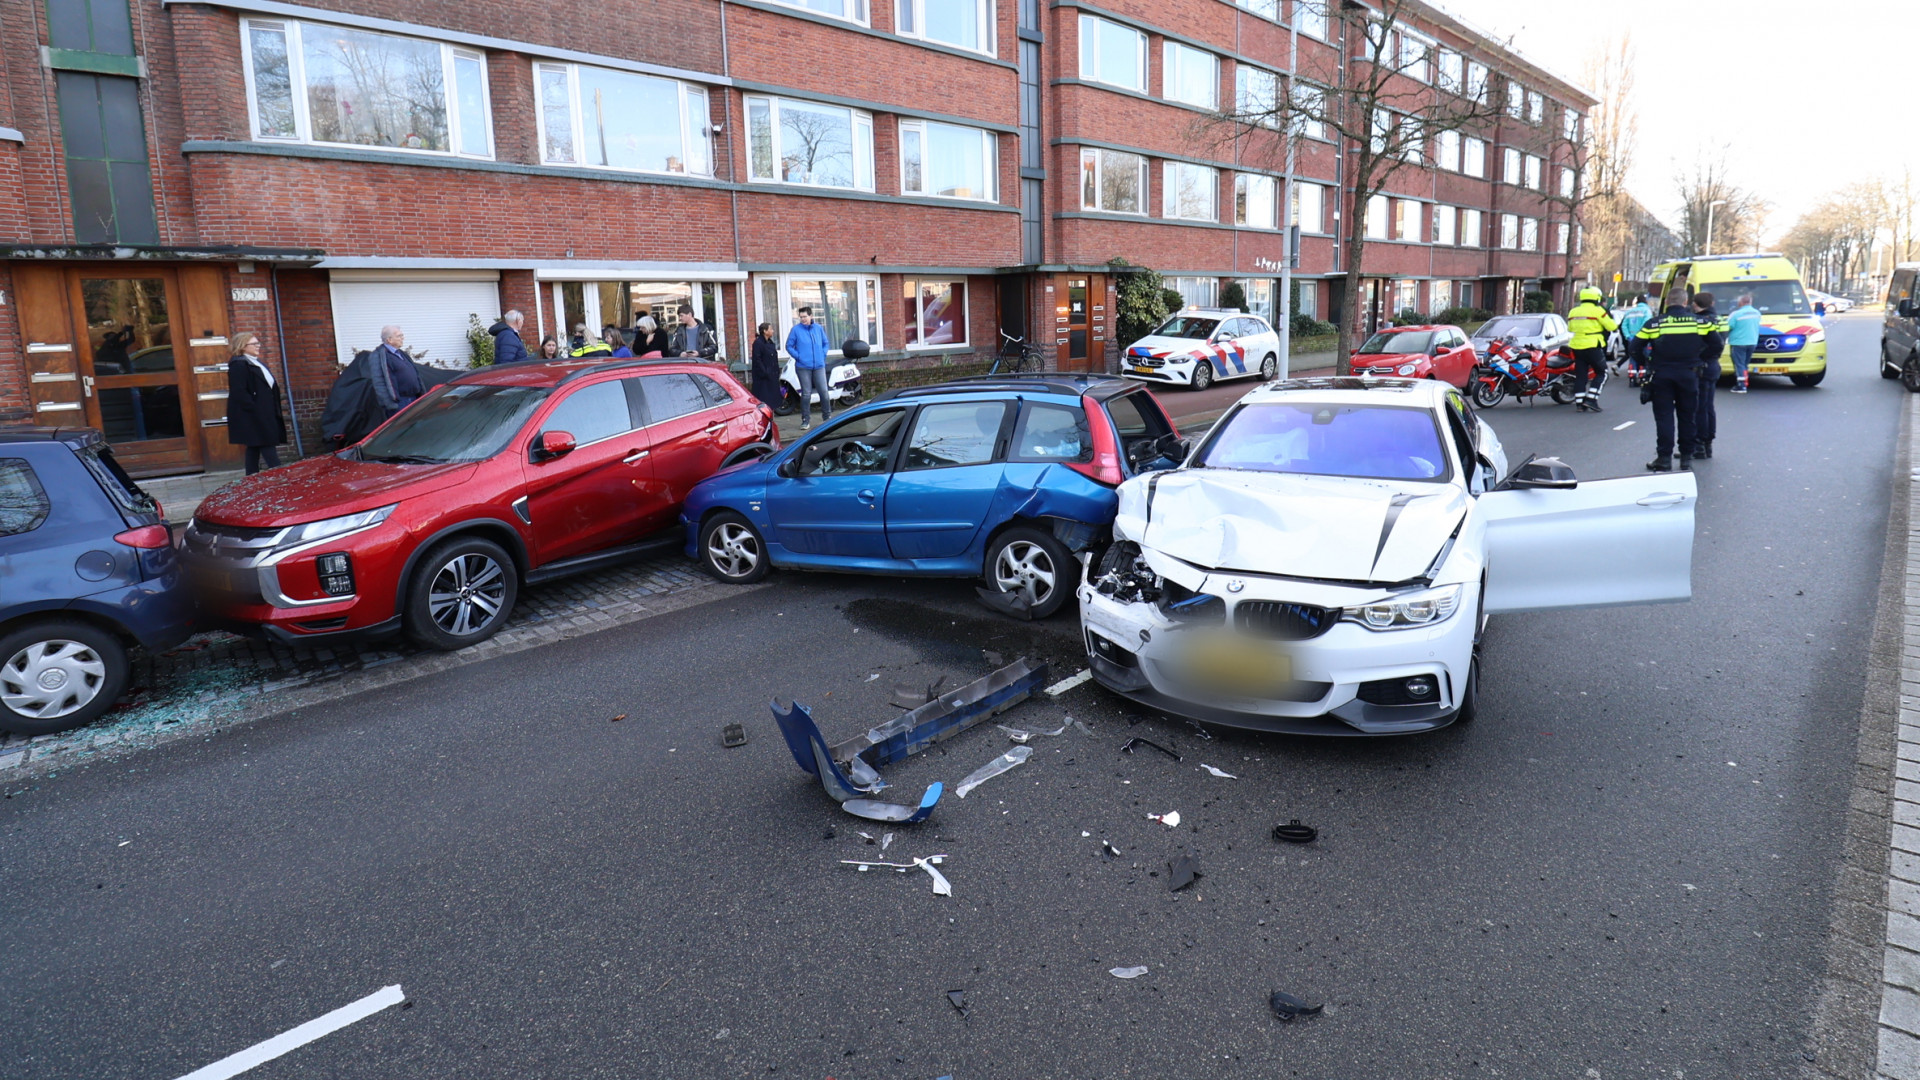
(1325, 561)
(1195, 346)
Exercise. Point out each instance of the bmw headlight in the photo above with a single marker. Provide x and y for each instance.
(1407, 369)
(320, 530)
(1407, 610)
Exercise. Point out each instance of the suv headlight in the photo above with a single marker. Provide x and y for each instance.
(1407, 610)
(320, 530)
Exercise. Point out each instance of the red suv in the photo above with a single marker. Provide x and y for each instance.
(507, 475)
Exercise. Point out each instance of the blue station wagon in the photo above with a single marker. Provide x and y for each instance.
(1003, 478)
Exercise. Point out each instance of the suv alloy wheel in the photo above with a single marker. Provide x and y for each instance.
(461, 593)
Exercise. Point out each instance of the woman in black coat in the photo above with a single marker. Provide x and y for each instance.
(253, 405)
(766, 367)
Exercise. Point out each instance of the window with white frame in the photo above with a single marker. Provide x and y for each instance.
(845, 307)
(1382, 130)
(311, 82)
(1446, 150)
(1191, 191)
(963, 24)
(933, 312)
(1310, 16)
(1406, 296)
(1569, 182)
(1450, 70)
(1562, 237)
(1412, 146)
(1379, 210)
(1533, 168)
(1309, 105)
(1406, 220)
(622, 120)
(1510, 166)
(1529, 234)
(805, 142)
(1474, 157)
(1509, 231)
(1113, 181)
(1477, 82)
(1255, 202)
(1190, 75)
(1536, 108)
(947, 160)
(850, 10)
(1570, 125)
(1439, 296)
(1256, 94)
(1516, 100)
(1310, 207)
(1307, 303)
(1196, 291)
(1266, 9)
(1112, 53)
(1579, 233)
(1472, 231)
(1414, 57)
(1445, 225)
(1259, 292)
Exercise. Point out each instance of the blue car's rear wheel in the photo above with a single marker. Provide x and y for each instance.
(58, 674)
(731, 549)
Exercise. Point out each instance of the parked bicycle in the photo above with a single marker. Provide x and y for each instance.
(1017, 354)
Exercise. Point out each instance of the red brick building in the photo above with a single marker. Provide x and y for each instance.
(924, 173)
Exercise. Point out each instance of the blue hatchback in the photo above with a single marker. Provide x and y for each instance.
(1003, 478)
(87, 569)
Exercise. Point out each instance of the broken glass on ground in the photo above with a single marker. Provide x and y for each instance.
(850, 769)
(993, 768)
(941, 886)
(1221, 773)
(1128, 972)
(1181, 872)
(1136, 742)
(1021, 735)
(1286, 1006)
(1171, 819)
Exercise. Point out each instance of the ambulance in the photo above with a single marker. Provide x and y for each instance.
(1792, 340)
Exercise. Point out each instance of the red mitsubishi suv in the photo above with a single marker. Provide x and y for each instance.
(505, 476)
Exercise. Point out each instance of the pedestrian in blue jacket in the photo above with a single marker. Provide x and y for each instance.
(807, 344)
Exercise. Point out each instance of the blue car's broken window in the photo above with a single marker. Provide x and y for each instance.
(1052, 433)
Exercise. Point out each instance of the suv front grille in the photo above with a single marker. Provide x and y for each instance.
(216, 541)
(1282, 621)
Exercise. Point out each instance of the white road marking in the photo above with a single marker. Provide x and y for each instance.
(1625, 426)
(261, 1053)
(1069, 683)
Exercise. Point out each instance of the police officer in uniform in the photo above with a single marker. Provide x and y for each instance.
(1590, 323)
(1705, 423)
(1673, 343)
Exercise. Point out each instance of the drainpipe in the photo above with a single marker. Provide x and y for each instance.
(286, 376)
(1288, 230)
(741, 293)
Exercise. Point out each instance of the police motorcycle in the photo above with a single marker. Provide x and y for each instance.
(843, 379)
(1510, 368)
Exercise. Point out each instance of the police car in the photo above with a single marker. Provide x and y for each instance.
(1195, 346)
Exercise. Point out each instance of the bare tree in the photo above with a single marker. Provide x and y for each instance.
(1612, 218)
(1831, 242)
(1710, 198)
(1383, 99)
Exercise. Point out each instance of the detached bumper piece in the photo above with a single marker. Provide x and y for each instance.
(849, 771)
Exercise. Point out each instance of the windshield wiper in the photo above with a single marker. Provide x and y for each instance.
(401, 459)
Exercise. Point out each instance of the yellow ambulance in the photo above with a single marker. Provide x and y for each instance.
(1792, 341)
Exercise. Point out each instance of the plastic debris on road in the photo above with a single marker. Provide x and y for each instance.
(1112, 852)
(958, 999)
(849, 770)
(1136, 742)
(1295, 833)
(1171, 819)
(885, 841)
(1181, 872)
(733, 735)
(1221, 773)
(1020, 735)
(992, 769)
(941, 886)
(617, 719)
(908, 697)
(1128, 972)
(1286, 1006)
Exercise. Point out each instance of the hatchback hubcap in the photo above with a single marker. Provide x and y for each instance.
(733, 549)
(467, 594)
(1025, 568)
(50, 679)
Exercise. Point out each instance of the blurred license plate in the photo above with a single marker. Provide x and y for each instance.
(1237, 665)
(1142, 369)
(216, 580)
(1768, 369)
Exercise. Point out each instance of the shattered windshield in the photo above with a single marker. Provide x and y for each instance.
(1382, 442)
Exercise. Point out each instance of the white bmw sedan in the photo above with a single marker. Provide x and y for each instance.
(1325, 561)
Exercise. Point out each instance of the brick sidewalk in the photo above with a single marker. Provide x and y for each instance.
(219, 678)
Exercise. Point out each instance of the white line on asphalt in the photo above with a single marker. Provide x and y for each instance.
(1069, 683)
(1625, 426)
(261, 1053)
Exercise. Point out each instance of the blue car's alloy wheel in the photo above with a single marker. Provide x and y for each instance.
(731, 549)
(1032, 570)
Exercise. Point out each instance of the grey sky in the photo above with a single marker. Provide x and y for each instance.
(1808, 97)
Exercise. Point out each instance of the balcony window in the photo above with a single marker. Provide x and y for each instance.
(1445, 225)
(1192, 191)
(1510, 165)
(1256, 93)
(1446, 150)
(1113, 54)
(1472, 234)
(1309, 105)
(1379, 209)
(1190, 75)
(1254, 202)
(1529, 234)
(935, 312)
(1533, 168)
(622, 120)
(310, 82)
(1112, 181)
(1310, 207)
(1562, 236)
(1516, 100)
(1449, 64)
(1474, 157)
(947, 161)
(1413, 57)
(1311, 17)
(1406, 221)
(1509, 231)
(963, 24)
(802, 142)
(1570, 125)
(1477, 82)
(1536, 108)
(1569, 182)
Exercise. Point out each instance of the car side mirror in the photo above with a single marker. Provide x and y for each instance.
(1548, 472)
(553, 444)
(1904, 309)
(788, 468)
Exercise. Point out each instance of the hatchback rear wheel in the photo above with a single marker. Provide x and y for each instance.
(57, 675)
(461, 593)
(731, 549)
(1032, 571)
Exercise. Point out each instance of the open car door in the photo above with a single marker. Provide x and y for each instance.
(1599, 544)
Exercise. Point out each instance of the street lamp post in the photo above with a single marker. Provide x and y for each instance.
(1710, 206)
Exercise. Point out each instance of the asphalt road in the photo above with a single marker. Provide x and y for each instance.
(1623, 866)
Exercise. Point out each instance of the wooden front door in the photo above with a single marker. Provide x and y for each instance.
(1080, 322)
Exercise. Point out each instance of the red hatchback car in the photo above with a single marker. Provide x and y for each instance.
(1418, 352)
(505, 476)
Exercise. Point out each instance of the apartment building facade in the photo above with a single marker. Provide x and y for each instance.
(925, 174)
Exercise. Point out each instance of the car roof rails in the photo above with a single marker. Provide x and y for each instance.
(1056, 382)
(585, 367)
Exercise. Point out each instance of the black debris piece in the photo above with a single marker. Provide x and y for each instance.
(1200, 729)
(1181, 872)
(1286, 1006)
(907, 697)
(1295, 833)
(733, 735)
(1015, 604)
(1132, 744)
(958, 999)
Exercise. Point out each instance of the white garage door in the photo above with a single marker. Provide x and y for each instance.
(433, 314)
